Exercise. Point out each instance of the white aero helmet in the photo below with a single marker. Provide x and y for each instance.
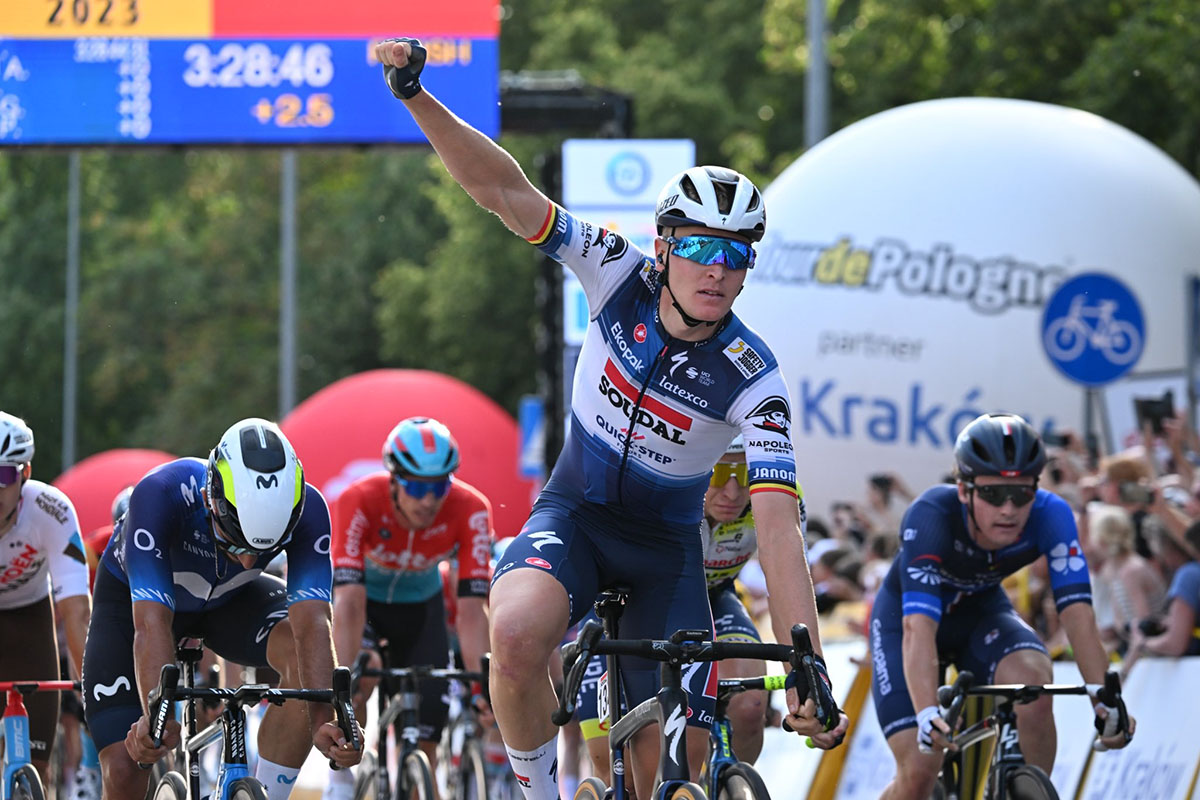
(16, 441)
(255, 487)
(712, 197)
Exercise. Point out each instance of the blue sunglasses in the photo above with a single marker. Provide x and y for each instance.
(708, 250)
(417, 489)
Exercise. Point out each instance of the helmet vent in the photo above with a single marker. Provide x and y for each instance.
(262, 451)
(689, 189)
(980, 450)
(1010, 449)
(724, 193)
(754, 201)
(7, 440)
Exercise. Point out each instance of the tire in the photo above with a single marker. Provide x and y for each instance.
(416, 778)
(741, 782)
(688, 791)
(26, 784)
(247, 789)
(591, 789)
(471, 779)
(364, 778)
(170, 786)
(1028, 782)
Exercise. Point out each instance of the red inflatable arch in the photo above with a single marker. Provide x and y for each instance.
(94, 483)
(339, 433)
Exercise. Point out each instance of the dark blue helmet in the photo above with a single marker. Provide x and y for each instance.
(999, 444)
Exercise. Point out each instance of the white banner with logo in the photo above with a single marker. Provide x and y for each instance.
(909, 280)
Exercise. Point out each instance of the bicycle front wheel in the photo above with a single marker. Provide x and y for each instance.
(171, 786)
(471, 782)
(247, 789)
(687, 791)
(416, 778)
(1028, 782)
(26, 784)
(365, 780)
(591, 789)
(741, 782)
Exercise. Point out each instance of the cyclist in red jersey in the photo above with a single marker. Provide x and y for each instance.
(391, 529)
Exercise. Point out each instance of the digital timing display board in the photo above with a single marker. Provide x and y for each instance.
(105, 72)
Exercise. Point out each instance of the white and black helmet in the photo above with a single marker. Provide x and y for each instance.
(712, 197)
(16, 441)
(255, 487)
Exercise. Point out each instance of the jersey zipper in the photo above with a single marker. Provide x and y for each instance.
(633, 415)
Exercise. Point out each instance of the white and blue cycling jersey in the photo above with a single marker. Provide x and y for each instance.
(164, 549)
(684, 401)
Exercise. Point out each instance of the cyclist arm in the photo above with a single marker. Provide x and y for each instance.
(75, 613)
(485, 170)
(349, 619)
(791, 598)
(784, 565)
(311, 622)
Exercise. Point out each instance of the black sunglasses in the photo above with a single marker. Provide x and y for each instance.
(995, 494)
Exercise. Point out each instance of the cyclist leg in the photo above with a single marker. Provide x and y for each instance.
(747, 711)
(669, 593)
(546, 579)
(35, 659)
(110, 695)
(1002, 638)
(916, 772)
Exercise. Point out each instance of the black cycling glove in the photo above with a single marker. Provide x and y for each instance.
(405, 82)
(828, 713)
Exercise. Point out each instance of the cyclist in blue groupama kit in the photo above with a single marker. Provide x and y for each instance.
(942, 601)
(187, 559)
(666, 378)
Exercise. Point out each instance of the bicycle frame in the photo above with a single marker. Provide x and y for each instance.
(400, 710)
(17, 751)
(1000, 723)
(720, 734)
(669, 707)
(232, 724)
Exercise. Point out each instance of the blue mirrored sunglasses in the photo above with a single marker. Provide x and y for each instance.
(9, 475)
(708, 250)
(417, 489)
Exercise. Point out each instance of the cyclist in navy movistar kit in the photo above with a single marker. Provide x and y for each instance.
(187, 560)
(942, 601)
(667, 376)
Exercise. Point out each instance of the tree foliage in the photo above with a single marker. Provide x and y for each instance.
(178, 319)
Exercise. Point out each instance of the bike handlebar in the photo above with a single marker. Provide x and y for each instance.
(162, 699)
(684, 647)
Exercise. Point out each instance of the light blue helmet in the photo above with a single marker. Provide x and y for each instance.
(420, 447)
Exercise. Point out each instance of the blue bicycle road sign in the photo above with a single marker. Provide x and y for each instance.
(1093, 330)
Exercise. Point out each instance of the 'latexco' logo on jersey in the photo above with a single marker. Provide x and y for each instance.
(744, 357)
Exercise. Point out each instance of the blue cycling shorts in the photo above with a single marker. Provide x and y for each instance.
(587, 547)
(980, 631)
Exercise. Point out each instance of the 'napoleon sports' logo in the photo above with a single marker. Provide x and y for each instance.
(773, 415)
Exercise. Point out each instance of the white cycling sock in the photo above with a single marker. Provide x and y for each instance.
(278, 779)
(536, 770)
